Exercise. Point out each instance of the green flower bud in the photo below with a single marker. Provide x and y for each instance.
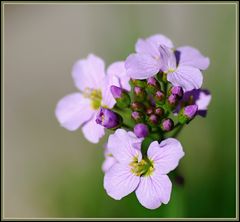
(136, 106)
(139, 93)
(138, 82)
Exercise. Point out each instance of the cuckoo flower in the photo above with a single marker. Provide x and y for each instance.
(80, 108)
(146, 175)
(182, 65)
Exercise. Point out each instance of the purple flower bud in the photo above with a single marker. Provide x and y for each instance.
(141, 130)
(137, 116)
(152, 85)
(153, 119)
(159, 97)
(108, 118)
(137, 90)
(159, 111)
(167, 125)
(136, 106)
(121, 96)
(152, 81)
(149, 110)
(172, 100)
(116, 92)
(187, 114)
(177, 90)
(190, 111)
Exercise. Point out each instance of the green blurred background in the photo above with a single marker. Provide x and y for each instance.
(50, 172)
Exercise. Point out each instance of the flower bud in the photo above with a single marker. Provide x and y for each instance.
(153, 119)
(139, 93)
(159, 111)
(136, 106)
(121, 96)
(137, 116)
(150, 110)
(190, 111)
(138, 82)
(151, 101)
(172, 100)
(167, 124)
(116, 91)
(108, 118)
(177, 90)
(141, 130)
(152, 85)
(187, 114)
(159, 97)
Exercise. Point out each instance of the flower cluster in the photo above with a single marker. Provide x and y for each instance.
(145, 101)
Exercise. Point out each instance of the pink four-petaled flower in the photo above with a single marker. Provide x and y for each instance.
(80, 108)
(129, 171)
(157, 53)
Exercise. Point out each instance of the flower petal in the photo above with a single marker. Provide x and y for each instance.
(167, 58)
(117, 69)
(154, 190)
(109, 160)
(203, 100)
(117, 76)
(187, 77)
(108, 163)
(146, 47)
(73, 110)
(159, 39)
(93, 131)
(150, 45)
(141, 66)
(89, 73)
(190, 56)
(119, 181)
(107, 97)
(122, 145)
(166, 155)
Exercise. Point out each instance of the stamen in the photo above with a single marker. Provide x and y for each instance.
(171, 70)
(142, 168)
(95, 95)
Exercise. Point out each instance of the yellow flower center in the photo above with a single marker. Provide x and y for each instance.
(95, 95)
(170, 70)
(142, 168)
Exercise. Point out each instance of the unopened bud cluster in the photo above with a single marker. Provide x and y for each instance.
(150, 106)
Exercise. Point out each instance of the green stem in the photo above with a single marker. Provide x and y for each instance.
(165, 86)
(177, 125)
(178, 128)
